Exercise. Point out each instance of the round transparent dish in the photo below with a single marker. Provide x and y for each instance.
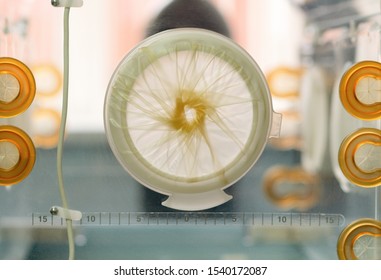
(17, 87)
(187, 113)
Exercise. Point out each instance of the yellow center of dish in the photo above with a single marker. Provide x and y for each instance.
(189, 112)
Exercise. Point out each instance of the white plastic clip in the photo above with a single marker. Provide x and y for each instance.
(67, 214)
(67, 3)
(276, 125)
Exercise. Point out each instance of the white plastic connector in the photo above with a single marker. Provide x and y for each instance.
(276, 125)
(64, 213)
(67, 3)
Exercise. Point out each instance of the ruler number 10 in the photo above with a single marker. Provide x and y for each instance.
(90, 219)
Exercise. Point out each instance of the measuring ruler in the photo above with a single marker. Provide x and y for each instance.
(195, 219)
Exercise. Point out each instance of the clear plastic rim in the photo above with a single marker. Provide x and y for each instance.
(177, 44)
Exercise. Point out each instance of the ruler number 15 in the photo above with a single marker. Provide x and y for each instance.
(43, 219)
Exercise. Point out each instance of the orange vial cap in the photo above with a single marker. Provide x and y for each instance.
(17, 155)
(17, 87)
(360, 240)
(359, 157)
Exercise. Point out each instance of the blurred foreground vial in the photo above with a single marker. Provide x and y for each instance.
(189, 13)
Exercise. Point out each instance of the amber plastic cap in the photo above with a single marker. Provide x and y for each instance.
(284, 82)
(359, 90)
(47, 122)
(349, 246)
(21, 87)
(19, 153)
(303, 195)
(48, 79)
(352, 158)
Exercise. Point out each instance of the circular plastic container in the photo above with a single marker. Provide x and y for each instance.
(360, 240)
(284, 82)
(291, 187)
(46, 126)
(17, 88)
(17, 155)
(48, 79)
(360, 157)
(187, 113)
(359, 90)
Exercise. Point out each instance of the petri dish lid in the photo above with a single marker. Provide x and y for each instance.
(187, 113)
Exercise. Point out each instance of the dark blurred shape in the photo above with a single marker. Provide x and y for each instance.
(189, 13)
(323, 11)
(311, 5)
